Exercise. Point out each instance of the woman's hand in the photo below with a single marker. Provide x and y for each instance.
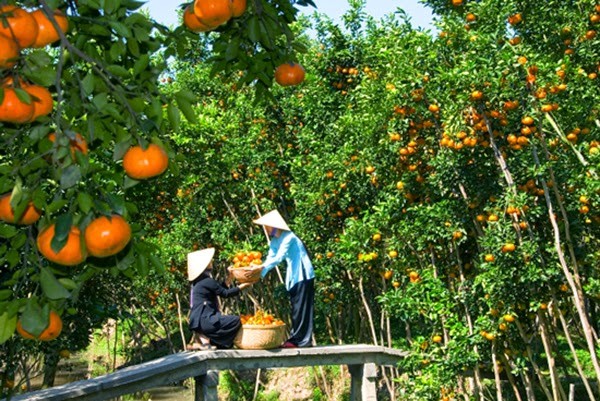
(244, 285)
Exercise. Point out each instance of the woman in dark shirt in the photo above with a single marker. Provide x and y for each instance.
(206, 320)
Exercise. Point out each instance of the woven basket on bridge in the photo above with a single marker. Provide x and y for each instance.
(260, 336)
(245, 274)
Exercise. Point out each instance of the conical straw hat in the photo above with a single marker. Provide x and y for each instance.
(272, 219)
(198, 262)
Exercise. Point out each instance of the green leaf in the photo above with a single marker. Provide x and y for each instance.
(134, 47)
(88, 84)
(110, 6)
(56, 205)
(85, 202)
(141, 64)
(12, 257)
(61, 232)
(51, 287)
(23, 95)
(5, 294)
(117, 70)
(186, 108)
(70, 176)
(174, 116)
(68, 284)
(35, 318)
(7, 231)
(8, 324)
(187, 95)
(254, 29)
(127, 261)
(121, 29)
(129, 182)
(121, 148)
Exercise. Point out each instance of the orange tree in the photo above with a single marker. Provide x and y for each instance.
(451, 178)
(81, 113)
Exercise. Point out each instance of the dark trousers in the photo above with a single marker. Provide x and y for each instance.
(302, 298)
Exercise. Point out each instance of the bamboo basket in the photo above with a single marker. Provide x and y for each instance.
(245, 274)
(260, 336)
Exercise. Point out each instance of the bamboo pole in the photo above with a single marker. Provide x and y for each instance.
(558, 392)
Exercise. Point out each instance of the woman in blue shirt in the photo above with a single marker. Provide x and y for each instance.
(299, 277)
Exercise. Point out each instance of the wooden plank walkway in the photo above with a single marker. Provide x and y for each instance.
(362, 361)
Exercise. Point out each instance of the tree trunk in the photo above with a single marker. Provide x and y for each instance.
(50, 367)
(558, 392)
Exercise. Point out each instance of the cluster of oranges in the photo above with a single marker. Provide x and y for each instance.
(22, 101)
(207, 15)
(261, 318)
(246, 258)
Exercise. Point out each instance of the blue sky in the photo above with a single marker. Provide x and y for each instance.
(165, 12)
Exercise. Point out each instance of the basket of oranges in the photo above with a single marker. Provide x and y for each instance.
(260, 331)
(245, 266)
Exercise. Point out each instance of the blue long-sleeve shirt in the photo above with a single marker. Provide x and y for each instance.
(288, 247)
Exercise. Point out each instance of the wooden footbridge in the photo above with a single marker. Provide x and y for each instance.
(362, 362)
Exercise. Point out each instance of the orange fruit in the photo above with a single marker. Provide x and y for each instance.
(13, 110)
(434, 108)
(106, 236)
(30, 216)
(213, 12)
(17, 24)
(476, 95)
(77, 144)
(515, 19)
(41, 99)
(238, 7)
(192, 22)
(141, 164)
(508, 318)
(289, 74)
(47, 33)
(508, 247)
(527, 120)
(71, 254)
(437, 338)
(9, 52)
(51, 332)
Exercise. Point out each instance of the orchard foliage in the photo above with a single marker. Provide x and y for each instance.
(452, 178)
(82, 116)
(445, 183)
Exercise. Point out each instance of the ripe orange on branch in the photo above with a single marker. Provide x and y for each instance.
(77, 144)
(47, 33)
(289, 74)
(9, 52)
(238, 7)
(19, 25)
(213, 12)
(30, 216)
(13, 109)
(142, 163)
(71, 254)
(51, 332)
(192, 22)
(42, 101)
(106, 236)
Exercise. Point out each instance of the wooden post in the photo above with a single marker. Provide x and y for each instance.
(363, 385)
(205, 388)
